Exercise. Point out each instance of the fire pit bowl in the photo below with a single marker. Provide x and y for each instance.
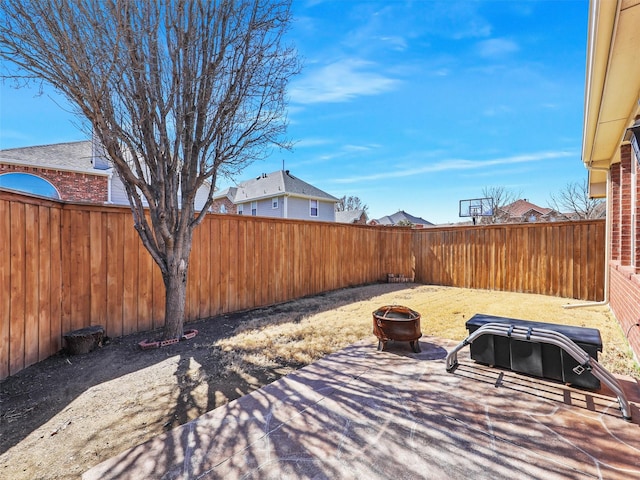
(394, 322)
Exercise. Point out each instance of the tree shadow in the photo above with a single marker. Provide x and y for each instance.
(359, 413)
(35, 395)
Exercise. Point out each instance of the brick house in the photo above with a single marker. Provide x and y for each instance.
(401, 218)
(277, 194)
(68, 169)
(611, 152)
(71, 172)
(523, 210)
(356, 217)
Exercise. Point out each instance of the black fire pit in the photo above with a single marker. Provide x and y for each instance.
(394, 322)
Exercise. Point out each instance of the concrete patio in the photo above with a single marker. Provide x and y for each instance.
(364, 414)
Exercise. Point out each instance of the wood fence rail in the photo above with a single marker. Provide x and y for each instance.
(67, 266)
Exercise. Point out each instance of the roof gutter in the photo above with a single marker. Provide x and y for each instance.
(601, 12)
(590, 125)
(58, 168)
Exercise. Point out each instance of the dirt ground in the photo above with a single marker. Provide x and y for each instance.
(66, 414)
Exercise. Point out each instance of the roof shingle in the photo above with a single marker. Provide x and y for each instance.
(271, 185)
(73, 156)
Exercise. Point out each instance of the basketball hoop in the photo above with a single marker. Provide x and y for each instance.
(476, 208)
(475, 211)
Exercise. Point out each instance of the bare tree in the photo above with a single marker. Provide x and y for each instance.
(574, 200)
(500, 197)
(178, 92)
(405, 223)
(346, 204)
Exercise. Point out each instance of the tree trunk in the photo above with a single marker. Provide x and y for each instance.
(176, 289)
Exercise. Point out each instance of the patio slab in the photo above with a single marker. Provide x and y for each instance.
(361, 413)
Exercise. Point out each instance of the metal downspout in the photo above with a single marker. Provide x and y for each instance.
(596, 5)
(607, 248)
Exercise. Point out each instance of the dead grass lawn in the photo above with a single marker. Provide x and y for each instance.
(264, 341)
(66, 414)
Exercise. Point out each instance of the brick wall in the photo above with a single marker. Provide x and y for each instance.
(636, 227)
(72, 186)
(362, 220)
(614, 196)
(624, 300)
(625, 205)
(217, 204)
(624, 281)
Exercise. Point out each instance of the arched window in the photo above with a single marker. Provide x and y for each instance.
(25, 182)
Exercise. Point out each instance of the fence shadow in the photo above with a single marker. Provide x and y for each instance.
(366, 414)
(35, 395)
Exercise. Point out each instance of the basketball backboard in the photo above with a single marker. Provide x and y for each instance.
(476, 207)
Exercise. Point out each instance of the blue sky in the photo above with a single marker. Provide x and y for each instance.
(410, 105)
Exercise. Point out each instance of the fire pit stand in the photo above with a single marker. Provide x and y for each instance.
(395, 322)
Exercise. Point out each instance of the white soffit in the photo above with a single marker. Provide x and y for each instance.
(613, 77)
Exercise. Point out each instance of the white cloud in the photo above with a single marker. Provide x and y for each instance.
(497, 47)
(457, 19)
(347, 150)
(497, 110)
(396, 42)
(340, 82)
(458, 165)
(9, 134)
(312, 142)
(360, 148)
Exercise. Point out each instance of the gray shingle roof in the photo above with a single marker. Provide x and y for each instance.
(348, 216)
(402, 216)
(274, 184)
(74, 156)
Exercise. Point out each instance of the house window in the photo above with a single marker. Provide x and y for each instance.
(25, 182)
(254, 208)
(240, 209)
(223, 208)
(313, 206)
(274, 203)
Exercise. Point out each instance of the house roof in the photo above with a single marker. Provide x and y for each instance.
(402, 216)
(611, 87)
(71, 156)
(523, 207)
(272, 185)
(349, 216)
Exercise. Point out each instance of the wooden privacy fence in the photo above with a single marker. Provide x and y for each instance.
(67, 266)
(564, 259)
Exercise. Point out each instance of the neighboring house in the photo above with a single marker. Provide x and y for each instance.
(64, 171)
(72, 172)
(611, 149)
(358, 217)
(277, 194)
(401, 218)
(599, 211)
(524, 211)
